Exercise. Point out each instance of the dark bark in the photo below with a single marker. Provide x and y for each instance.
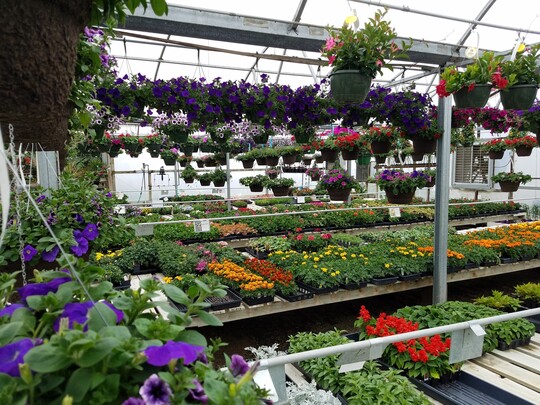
(37, 64)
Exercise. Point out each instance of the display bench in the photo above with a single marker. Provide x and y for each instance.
(468, 222)
(279, 305)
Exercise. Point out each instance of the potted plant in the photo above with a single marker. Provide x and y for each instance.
(280, 187)
(431, 177)
(356, 56)
(205, 179)
(499, 300)
(169, 156)
(471, 88)
(176, 126)
(256, 183)
(381, 139)
(425, 139)
(510, 181)
(247, 159)
(289, 154)
(189, 146)
(272, 172)
(400, 186)
(495, 148)
(219, 177)
(271, 156)
(153, 144)
(303, 134)
(314, 173)
(189, 174)
(199, 161)
(338, 184)
(523, 145)
(518, 79)
(184, 160)
(349, 143)
(131, 143)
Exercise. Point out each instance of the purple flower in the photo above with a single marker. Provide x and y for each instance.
(11, 355)
(155, 391)
(238, 365)
(133, 401)
(29, 252)
(8, 311)
(41, 288)
(78, 312)
(197, 393)
(90, 232)
(108, 195)
(41, 198)
(78, 218)
(162, 355)
(51, 255)
(81, 247)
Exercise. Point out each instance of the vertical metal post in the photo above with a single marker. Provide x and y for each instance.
(442, 192)
(227, 157)
(149, 185)
(349, 169)
(47, 169)
(175, 179)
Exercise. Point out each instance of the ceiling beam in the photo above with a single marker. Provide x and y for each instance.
(230, 27)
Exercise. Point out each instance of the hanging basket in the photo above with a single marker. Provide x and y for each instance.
(272, 160)
(339, 194)
(154, 154)
(523, 150)
(519, 97)
(256, 188)
(315, 177)
(476, 98)
(187, 149)
(219, 139)
(350, 154)
(289, 159)
(205, 183)
(218, 183)
(189, 179)
(401, 198)
(260, 139)
(248, 164)
(319, 159)
(417, 157)
(380, 147)
(349, 86)
(177, 134)
(261, 161)
(206, 148)
(496, 154)
(200, 164)
(169, 161)
(380, 159)
(114, 151)
(280, 191)
(364, 160)
(422, 145)
(329, 155)
(509, 186)
(133, 147)
(430, 183)
(307, 161)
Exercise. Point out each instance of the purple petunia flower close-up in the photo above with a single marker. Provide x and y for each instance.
(133, 401)
(162, 355)
(29, 252)
(197, 393)
(155, 391)
(81, 247)
(41, 288)
(90, 232)
(8, 310)
(11, 355)
(238, 365)
(51, 255)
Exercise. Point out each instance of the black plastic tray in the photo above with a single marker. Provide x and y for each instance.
(301, 294)
(231, 300)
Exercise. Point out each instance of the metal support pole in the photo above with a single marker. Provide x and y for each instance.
(149, 185)
(176, 179)
(442, 192)
(227, 156)
(349, 173)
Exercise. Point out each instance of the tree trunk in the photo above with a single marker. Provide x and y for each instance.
(37, 64)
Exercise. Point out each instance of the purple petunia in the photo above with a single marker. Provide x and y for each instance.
(90, 232)
(8, 311)
(238, 365)
(79, 218)
(162, 355)
(155, 391)
(81, 247)
(11, 355)
(41, 288)
(197, 393)
(40, 199)
(78, 312)
(51, 255)
(29, 252)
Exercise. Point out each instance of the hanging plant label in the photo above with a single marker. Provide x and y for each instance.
(144, 230)
(394, 212)
(202, 225)
(301, 200)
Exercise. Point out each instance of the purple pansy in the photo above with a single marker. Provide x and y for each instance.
(11, 355)
(90, 232)
(162, 355)
(41, 288)
(238, 365)
(29, 252)
(155, 391)
(197, 393)
(8, 311)
(51, 255)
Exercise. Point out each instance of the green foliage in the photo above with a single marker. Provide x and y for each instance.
(499, 300)
(528, 292)
(511, 176)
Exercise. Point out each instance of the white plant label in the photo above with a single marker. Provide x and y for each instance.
(394, 212)
(202, 225)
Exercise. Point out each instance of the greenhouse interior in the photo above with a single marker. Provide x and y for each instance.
(305, 203)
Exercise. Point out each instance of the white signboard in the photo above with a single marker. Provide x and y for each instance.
(202, 225)
(394, 212)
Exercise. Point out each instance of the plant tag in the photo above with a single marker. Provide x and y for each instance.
(300, 200)
(217, 191)
(394, 212)
(202, 225)
(144, 230)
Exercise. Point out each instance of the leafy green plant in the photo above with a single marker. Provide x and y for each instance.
(281, 182)
(258, 180)
(499, 300)
(528, 292)
(511, 176)
(189, 173)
